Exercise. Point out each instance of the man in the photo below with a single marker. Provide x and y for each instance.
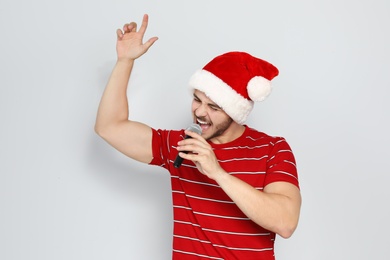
(236, 187)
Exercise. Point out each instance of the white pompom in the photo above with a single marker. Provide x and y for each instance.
(259, 88)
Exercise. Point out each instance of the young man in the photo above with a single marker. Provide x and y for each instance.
(236, 187)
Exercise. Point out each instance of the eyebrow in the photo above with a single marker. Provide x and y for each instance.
(209, 104)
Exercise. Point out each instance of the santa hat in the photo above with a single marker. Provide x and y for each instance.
(235, 80)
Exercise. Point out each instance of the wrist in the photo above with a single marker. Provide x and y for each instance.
(125, 61)
(221, 176)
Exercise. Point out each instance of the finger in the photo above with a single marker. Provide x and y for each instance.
(195, 136)
(192, 157)
(188, 156)
(129, 27)
(193, 142)
(150, 42)
(144, 24)
(193, 146)
(132, 27)
(190, 133)
(119, 34)
(187, 148)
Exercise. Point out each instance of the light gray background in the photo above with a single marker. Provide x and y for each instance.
(66, 194)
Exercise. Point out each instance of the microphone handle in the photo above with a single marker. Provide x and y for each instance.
(178, 161)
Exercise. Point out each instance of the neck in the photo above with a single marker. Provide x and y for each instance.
(231, 133)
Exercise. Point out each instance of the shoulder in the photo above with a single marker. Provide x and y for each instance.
(255, 135)
(274, 143)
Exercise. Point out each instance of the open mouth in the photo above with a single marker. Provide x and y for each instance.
(203, 124)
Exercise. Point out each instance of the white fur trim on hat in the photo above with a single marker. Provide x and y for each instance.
(235, 105)
(259, 88)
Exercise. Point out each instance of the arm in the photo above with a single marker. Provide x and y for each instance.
(276, 208)
(112, 124)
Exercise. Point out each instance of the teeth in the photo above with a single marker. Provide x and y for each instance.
(202, 122)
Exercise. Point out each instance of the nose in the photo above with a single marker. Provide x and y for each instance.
(200, 111)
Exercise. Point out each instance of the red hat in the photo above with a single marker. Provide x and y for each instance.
(235, 80)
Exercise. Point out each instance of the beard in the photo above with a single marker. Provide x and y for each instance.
(221, 128)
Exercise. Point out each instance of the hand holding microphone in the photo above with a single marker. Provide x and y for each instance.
(193, 128)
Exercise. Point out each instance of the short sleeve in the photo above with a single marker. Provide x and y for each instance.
(281, 165)
(157, 148)
(164, 147)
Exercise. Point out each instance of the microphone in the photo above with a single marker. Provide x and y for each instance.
(193, 128)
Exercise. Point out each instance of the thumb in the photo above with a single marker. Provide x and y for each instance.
(150, 42)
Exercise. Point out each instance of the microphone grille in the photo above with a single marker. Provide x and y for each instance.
(195, 128)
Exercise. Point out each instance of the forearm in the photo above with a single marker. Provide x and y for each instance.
(275, 212)
(113, 106)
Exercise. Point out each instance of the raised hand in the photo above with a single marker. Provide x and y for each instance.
(130, 44)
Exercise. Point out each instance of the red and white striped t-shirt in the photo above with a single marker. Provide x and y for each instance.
(207, 223)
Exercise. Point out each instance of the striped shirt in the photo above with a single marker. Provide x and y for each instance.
(207, 223)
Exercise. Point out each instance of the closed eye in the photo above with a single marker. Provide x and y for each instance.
(196, 98)
(214, 107)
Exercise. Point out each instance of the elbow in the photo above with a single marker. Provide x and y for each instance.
(287, 230)
(100, 130)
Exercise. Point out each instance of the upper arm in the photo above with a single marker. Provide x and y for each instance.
(131, 138)
(290, 192)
